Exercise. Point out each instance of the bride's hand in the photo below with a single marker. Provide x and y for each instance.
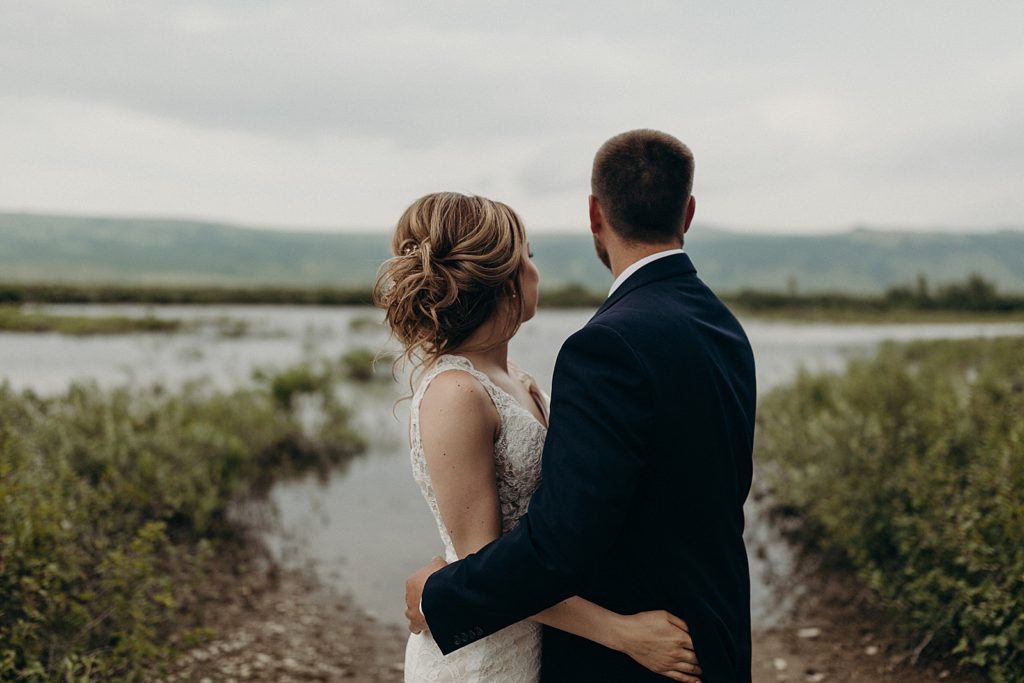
(660, 642)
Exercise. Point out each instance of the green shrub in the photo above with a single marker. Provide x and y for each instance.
(294, 381)
(911, 466)
(111, 500)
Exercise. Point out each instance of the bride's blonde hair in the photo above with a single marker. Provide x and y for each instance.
(457, 262)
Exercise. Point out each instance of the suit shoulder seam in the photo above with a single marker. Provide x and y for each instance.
(648, 376)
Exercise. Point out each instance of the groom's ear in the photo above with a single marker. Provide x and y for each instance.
(596, 217)
(691, 208)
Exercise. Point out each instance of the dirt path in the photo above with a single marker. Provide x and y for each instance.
(838, 637)
(286, 629)
(836, 654)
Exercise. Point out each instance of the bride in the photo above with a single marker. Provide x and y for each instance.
(460, 284)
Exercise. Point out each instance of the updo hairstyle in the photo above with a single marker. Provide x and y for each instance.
(457, 262)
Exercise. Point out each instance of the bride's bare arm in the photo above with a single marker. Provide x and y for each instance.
(458, 426)
(658, 640)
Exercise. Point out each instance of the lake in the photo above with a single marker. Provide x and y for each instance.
(366, 527)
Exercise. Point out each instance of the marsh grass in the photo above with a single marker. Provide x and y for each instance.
(113, 502)
(25, 319)
(909, 467)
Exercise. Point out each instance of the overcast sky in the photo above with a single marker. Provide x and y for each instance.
(803, 116)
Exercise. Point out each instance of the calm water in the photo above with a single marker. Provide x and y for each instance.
(366, 528)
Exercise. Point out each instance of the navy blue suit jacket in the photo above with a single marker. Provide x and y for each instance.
(646, 467)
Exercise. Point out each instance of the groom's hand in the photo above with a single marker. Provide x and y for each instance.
(414, 594)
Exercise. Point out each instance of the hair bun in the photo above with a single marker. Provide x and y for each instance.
(434, 303)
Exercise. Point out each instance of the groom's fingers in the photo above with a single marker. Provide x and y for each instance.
(417, 624)
(414, 594)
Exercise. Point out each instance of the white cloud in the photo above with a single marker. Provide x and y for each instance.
(325, 113)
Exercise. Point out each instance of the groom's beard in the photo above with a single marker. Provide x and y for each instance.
(602, 253)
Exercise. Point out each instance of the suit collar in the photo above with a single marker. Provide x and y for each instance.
(669, 266)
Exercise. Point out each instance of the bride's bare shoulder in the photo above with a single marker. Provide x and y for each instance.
(456, 395)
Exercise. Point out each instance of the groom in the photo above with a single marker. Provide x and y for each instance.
(648, 457)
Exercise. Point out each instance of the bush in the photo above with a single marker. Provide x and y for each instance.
(110, 501)
(911, 466)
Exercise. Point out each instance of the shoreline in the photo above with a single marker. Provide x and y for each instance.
(282, 626)
(974, 300)
(836, 636)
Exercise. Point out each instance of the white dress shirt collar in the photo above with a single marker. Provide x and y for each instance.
(624, 275)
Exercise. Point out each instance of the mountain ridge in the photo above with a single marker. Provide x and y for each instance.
(153, 250)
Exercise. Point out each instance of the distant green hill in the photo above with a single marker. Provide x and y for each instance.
(860, 261)
(125, 250)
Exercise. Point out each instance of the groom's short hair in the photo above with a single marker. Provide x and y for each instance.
(642, 180)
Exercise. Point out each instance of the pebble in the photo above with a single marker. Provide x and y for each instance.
(871, 650)
(780, 664)
(810, 632)
(292, 645)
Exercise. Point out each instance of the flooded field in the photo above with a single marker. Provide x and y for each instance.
(366, 527)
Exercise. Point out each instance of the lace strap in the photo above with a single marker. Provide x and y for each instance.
(452, 362)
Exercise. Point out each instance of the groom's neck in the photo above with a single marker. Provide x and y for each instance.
(624, 255)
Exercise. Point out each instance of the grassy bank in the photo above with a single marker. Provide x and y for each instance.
(114, 501)
(973, 299)
(840, 316)
(61, 293)
(19, 319)
(910, 468)
(975, 296)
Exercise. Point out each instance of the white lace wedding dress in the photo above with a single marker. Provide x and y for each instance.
(511, 655)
